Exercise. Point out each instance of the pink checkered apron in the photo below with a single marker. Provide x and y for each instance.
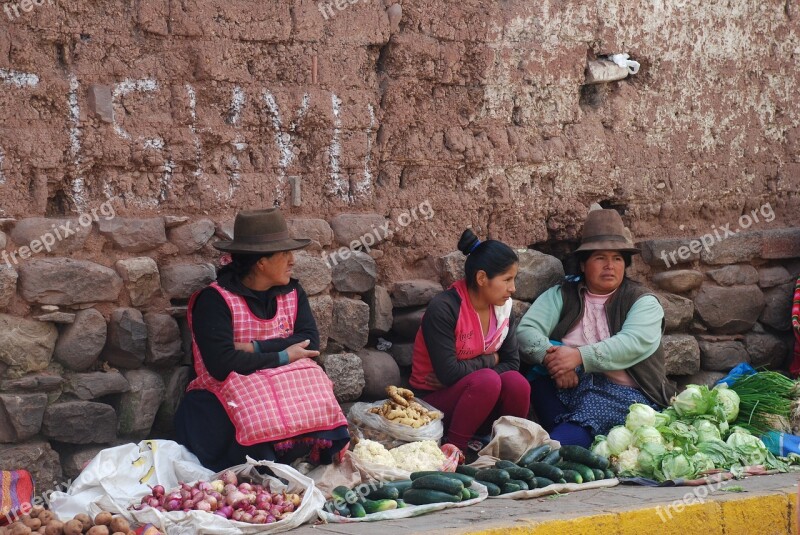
(271, 404)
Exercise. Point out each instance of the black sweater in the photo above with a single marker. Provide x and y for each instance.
(212, 327)
(439, 333)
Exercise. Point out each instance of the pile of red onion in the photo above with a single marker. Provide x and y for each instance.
(227, 498)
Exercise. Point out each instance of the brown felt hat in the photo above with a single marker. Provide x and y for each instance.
(605, 231)
(260, 231)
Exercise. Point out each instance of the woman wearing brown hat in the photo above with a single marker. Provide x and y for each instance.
(258, 391)
(595, 340)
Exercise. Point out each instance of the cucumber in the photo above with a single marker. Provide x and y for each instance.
(426, 496)
(493, 475)
(523, 485)
(571, 476)
(341, 509)
(509, 487)
(585, 472)
(402, 485)
(562, 481)
(464, 494)
(443, 484)
(598, 474)
(493, 489)
(581, 455)
(520, 473)
(466, 470)
(341, 493)
(534, 455)
(384, 492)
(401, 504)
(472, 493)
(505, 464)
(551, 458)
(357, 510)
(465, 479)
(378, 506)
(542, 482)
(609, 474)
(545, 470)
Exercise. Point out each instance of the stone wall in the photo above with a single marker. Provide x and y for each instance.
(132, 132)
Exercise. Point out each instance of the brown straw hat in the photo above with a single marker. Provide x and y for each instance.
(605, 231)
(260, 231)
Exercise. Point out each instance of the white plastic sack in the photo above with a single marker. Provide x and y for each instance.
(128, 472)
(376, 427)
(408, 511)
(203, 523)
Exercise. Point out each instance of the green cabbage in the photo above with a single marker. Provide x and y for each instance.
(675, 465)
(645, 435)
(640, 415)
(719, 452)
(749, 448)
(706, 430)
(649, 459)
(695, 400)
(601, 448)
(619, 439)
(679, 434)
(702, 462)
(729, 401)
(665, 418)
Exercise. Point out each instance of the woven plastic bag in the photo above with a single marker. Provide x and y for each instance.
(376, 427)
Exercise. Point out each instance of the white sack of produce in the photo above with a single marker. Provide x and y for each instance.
(197, 522)
(372, 422)
(127, 472)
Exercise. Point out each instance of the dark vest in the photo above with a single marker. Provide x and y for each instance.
(650, 374)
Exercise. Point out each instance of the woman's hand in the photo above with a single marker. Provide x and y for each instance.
(496, 359)
(567, 380)
(241, 346)
(298, 351)
(562, 359)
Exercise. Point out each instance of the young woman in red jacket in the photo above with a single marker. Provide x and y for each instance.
(465, 361)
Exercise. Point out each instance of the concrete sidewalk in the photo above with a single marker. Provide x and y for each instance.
(765, 506)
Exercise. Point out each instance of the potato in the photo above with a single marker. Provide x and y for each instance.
(118, 523)
(46, 517)
(103, 519)
(33, 523)
(73, 527)
(36, 510)
(85, 520)
(18, 528)
(98, 530)
(54, 527)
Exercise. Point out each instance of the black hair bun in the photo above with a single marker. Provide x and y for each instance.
(467, 241)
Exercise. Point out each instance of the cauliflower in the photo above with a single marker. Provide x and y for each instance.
(419, 456)
(373, 452)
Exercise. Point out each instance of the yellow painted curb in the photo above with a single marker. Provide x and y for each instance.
(765, 514)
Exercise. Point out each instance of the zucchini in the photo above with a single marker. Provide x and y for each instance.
(505, 464)
(520, 473)
(609, 474)
(523, 485)
(378, 506)
(598, 474)
(562, 481)
(545, 470)
(581, 455)
(493, 475)
(426, 496)
(466, 470)
(571, 476)
(510, 487)
(551, 458)
(383, 492)
(443, 484)
(493, 489)
(341, 493)
(357, 511)
(534, 455)
(585, 472)
(341, 509)
(465, 479)
(464, 494)
(542, 482)
(472, 493)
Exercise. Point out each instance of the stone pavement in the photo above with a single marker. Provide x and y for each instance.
(766, 505)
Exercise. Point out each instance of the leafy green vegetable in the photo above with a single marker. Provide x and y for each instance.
(729, 401)
(675, 465)
(706, 430)
(649, 458)
(640, 415)
(647, 434)
(695, 400)
(619, 439)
